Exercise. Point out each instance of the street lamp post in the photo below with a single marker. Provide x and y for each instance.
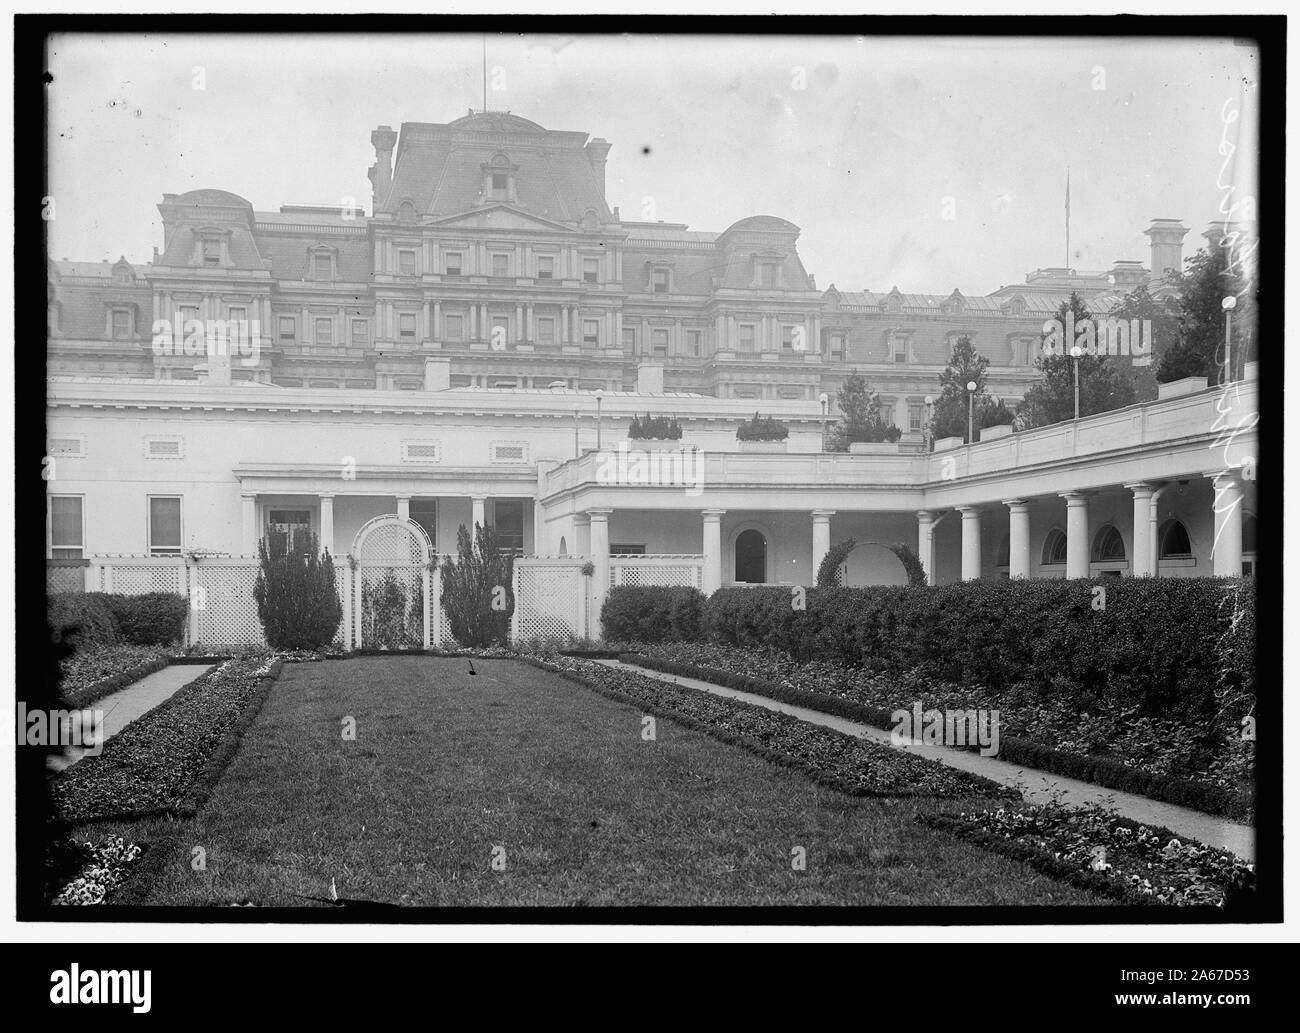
(971, 387)
(599, 397)
(825, 401)
(928, 439)
(1075, 352)
(1229, 303)
(577, 452)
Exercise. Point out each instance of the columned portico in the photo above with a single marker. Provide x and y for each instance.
(1018, 559)
(712, 549)
(970, 542)
(821, 537)
(1226, 549)
(1143, 552)
(1076, 533)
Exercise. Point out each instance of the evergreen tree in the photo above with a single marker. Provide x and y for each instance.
(1140, 305)
(1103, 385)
(297, 601)
(1197, 350)
(478, 589)
(860, 418)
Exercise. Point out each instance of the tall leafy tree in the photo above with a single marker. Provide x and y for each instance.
(1103, 384)
(1197, 350)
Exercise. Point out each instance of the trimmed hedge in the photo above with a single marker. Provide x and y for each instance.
(1163, 646)
(652, 614)
(1101, 771)
(98, 619)
(151, 619)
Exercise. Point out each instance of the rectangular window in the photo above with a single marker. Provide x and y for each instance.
(406, 325)
(915, 417)
(626, 549)
(287, 328)
(661, 277)
(67, 532)
(360, 332)
(546, 330)
(693, 342)
(164, 525)
(590, 269)
(425, 513)
(500, 183)
(454, 326)
(406, 263)
(121, 324)
(322, 266)
(900, 349)
(500, 331)
(629, 339)
(837, 346)
(660, 343)
(500, 265)
(545, 267)
(767, 274)
(286, 529)
(325, 332)
(453, 263)
(510, 525)
(787, 338)
(746, 337)
(211, 252)
(189, 315)
(591, 332)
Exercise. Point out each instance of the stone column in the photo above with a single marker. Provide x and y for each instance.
(404, 507)
(1228, 498)
(1076, 533)
(1140, 561)
(712, 550)
(599, 557)
(970, 543)
(248, 511)
(581, 534)
(925, 525)
(821, 538)
(479, 508)
(327, 523)
(1019, 557)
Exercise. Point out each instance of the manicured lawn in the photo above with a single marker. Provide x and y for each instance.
(446, 767)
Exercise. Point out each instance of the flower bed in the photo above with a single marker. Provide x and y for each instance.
(91, 674)
(1065, 733)
(98, 869)
(1098, 849)
(164, 762)
(851, 765)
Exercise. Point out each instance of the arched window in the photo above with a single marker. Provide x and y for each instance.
(1054, 547)
(1108, 545)
(1174, 542)
(406, 212)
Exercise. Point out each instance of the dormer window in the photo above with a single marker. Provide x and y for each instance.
(499, 179)
(120, 324)
(500, 186)
(124, 276)
(322, 267)
(211, 251)
(767, 274)
(661, 281)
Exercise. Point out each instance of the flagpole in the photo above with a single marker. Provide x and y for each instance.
(1067, 217)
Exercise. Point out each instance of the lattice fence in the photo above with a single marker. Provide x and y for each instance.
(391, 586)
(550, 599)
(669, 571)
(139, 577)
(223, 611)
(65, 576)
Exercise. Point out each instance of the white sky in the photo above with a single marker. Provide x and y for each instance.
(861, 159)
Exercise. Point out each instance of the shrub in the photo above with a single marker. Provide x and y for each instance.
(828, 571)
(651, 613)
(297, 602)
(83, 620)
(152, 619)
(762, 428)
(649, 427)
(392, 617)
(478, 589)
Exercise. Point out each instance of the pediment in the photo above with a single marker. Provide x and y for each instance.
(498, 217)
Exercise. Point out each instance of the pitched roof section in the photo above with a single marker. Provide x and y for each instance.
(439, 168)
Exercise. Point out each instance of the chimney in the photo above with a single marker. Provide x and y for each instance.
(1166, 247)
(437, 374)
(649, 378)
(597, 151)
(381, 172)
(1127, 274)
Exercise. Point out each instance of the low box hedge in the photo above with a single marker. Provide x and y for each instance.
(651, 613)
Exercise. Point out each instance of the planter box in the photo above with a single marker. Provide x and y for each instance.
(943, 444)
(1002, 430)
(657, 445)
(1186, 386)
(763, 446)
(875, 448)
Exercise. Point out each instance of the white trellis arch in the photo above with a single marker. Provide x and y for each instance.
(393, 547)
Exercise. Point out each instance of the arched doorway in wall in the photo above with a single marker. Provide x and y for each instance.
(750, 557)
